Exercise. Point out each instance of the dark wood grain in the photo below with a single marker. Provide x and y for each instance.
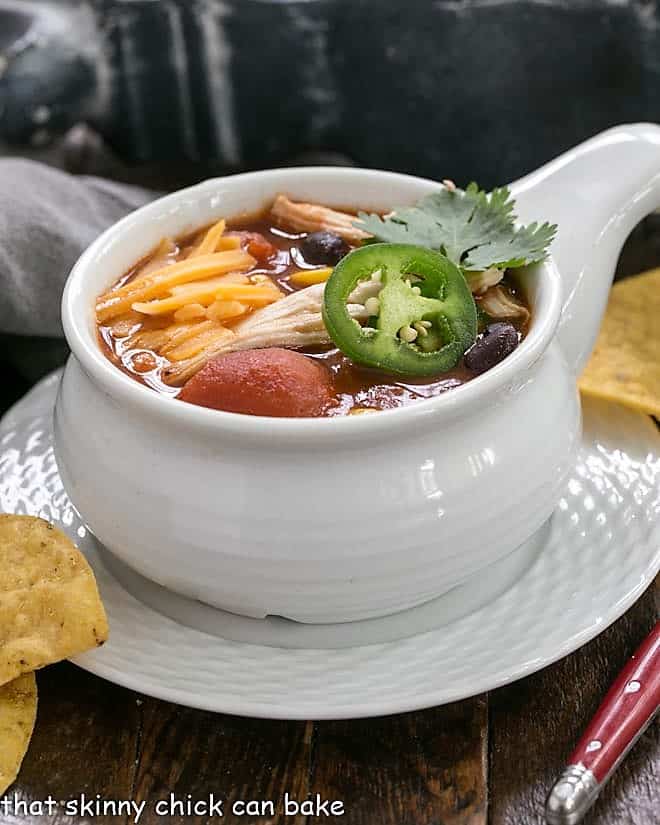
(425, 768)
(188, 752)
(535, 723)
(85, 741)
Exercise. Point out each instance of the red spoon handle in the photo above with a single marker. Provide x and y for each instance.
(628, 707)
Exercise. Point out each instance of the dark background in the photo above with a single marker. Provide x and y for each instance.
(468, 89)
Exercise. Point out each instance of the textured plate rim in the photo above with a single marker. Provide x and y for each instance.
(301, 712)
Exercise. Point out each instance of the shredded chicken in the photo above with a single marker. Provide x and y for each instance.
(499, 303)
(480, 281)
(311, 217)
(294, 321)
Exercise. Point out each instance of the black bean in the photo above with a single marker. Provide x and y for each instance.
(323, 248)
(492, 346)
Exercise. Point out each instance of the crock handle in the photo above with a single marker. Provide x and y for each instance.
(596, 193)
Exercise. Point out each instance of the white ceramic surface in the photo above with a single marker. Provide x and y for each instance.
(333, 520)
(601, 551)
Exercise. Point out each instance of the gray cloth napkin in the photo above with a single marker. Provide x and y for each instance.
(47, 218)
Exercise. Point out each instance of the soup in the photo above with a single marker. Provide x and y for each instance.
(302, 311)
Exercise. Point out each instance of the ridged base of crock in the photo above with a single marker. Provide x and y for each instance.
(280, 631)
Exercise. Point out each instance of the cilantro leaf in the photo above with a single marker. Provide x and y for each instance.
(524, 246)
(410, 225)
(474, 229)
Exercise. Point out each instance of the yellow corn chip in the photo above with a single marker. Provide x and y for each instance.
(625, 364)
(50, 607)
(18, 711)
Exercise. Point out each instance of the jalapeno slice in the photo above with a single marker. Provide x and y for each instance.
(423, 315)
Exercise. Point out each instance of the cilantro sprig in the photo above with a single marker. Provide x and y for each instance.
(474, 229)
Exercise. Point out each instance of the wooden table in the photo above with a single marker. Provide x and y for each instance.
(490, 759)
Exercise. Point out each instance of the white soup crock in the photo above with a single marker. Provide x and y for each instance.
(329, 520)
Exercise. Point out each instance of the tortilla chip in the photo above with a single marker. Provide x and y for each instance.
(18, 711)
(625, 364)
(50, 607)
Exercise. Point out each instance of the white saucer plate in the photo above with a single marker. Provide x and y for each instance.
(597, 555)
